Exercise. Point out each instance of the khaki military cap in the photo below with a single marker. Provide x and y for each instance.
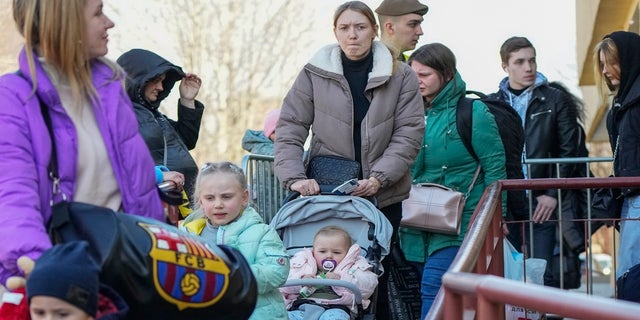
(401, 7)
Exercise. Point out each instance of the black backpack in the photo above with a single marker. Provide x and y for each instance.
(512, 134)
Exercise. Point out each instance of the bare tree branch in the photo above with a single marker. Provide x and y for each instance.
(242, 50)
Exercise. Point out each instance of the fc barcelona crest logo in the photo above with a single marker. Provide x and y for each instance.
(186, 272)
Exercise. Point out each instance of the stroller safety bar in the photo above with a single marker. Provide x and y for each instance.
(327, 282)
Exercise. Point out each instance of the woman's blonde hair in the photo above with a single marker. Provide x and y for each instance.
(608, 48)
(55, 29)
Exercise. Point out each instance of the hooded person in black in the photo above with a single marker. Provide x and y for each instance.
(623, 120)
(617, 58)
(150, 79)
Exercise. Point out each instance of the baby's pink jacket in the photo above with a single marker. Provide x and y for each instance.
(353, 268)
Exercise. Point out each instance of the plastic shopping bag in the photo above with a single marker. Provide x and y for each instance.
(514, 265)
(513, 262)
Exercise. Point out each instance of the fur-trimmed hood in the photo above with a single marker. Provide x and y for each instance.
(328, 59)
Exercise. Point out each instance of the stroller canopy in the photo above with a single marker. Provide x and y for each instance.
(303, 216)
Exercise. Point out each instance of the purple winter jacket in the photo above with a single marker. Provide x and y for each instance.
(25, 148)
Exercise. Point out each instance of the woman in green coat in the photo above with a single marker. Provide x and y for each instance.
(444, 159)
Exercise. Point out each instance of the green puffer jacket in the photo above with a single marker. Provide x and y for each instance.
(264, 251)
(444, 159)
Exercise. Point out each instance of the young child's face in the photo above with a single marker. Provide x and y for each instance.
(44, 307)
(329, 247)
(222, 198)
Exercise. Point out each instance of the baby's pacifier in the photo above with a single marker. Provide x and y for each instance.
(328, 265)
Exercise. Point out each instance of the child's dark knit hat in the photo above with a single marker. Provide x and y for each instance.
(67, 272)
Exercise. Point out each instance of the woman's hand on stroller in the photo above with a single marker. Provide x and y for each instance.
(306, 187)
(366, 187)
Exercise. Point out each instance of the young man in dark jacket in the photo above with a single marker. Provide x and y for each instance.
(550, 121)
(150, 79)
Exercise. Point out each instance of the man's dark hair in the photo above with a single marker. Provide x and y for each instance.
(514, 44)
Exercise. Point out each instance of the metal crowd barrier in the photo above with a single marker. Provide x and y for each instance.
(265, 191)
(586, 163)
(481, 253)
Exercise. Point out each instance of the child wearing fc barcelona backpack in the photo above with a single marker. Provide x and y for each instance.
(222, 216)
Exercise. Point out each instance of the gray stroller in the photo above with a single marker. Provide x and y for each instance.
(298, 220)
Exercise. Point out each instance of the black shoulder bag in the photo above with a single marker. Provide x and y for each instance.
(607, 202)
(332, 171)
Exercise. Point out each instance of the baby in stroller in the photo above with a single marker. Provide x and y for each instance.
(352, 255)
(333, 257)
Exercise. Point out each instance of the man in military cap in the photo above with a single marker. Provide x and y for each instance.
(400, 24)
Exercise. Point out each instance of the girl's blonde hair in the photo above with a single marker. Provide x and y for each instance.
(55, 29)
(608, 47)
(211, 168)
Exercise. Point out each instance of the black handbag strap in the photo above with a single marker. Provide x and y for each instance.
(53, 161)
(52, 167)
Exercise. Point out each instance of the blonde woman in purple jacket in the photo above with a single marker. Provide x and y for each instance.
(101, 158)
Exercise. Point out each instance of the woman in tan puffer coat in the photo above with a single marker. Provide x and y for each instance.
(360, 104)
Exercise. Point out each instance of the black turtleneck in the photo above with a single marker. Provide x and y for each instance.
(357, 74)
(517, 93)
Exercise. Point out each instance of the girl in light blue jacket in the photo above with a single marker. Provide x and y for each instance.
(222, 216)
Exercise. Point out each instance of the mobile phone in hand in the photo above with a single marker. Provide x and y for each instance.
(346, 188)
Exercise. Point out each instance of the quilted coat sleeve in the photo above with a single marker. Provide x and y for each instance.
(302, 263)
(407, 135)
(22, 201)
(296, 117)
(271, 265)
(361, 275)
(357, 271)
(188, 124)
